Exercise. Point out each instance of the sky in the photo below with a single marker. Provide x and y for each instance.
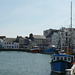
(22, 17)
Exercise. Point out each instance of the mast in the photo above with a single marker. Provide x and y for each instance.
(71, 32)
(71, 15)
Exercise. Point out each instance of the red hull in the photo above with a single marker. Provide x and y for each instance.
(34, 51)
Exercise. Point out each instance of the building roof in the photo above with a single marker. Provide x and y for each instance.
(20, 39)
(39, 37)
(9, 40)
(52, 32)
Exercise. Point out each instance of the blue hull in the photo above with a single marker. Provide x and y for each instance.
(60, 66)
(49, 50)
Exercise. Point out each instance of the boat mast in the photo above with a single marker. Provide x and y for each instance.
(71, 32)
(71, 15)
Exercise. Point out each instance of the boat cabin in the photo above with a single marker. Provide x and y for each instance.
(62, 58)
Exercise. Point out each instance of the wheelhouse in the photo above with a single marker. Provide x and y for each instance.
(62, 58)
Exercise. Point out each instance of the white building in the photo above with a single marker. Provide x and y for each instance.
(55, 39)
(73, 39)
(52, 37)
(1, 43)
(1, 40)
(9, 43)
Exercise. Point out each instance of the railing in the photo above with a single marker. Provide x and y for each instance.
(71, 71)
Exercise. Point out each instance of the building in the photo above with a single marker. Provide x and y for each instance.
(2, 37)
(62, 38)
(1, 43)
(38, 40)
(9, 43)
(20, 40)
(51, 37)
(73, 39)
(47, 32)
(1, 40)
(55, 39)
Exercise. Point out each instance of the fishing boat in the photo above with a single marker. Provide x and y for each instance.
(34, 49)
(61, 61)
(50, 49)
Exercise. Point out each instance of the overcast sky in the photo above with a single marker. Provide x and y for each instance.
(22, 17)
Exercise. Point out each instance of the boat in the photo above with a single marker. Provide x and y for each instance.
(50, 49)
(61, 61)
(35, 49)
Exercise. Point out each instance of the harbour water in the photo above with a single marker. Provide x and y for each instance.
(23, 63)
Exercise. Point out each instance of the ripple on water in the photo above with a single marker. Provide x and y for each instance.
(23, 63)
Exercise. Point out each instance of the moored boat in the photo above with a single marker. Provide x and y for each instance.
(50, 49)
(61, 61)
(34, 49)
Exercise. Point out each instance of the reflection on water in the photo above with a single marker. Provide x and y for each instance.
(53, 73)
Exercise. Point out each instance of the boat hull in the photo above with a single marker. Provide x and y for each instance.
(35, 51)
(49, 50)
(60, 66)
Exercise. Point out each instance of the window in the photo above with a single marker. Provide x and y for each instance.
(57, 58)
(9, 43)
(7, 46)
(12, 46)
(54, 58)
(61, 58)
(12, 43)
(71, 59)
(68, 58)
(17, 46)
(65, 58)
